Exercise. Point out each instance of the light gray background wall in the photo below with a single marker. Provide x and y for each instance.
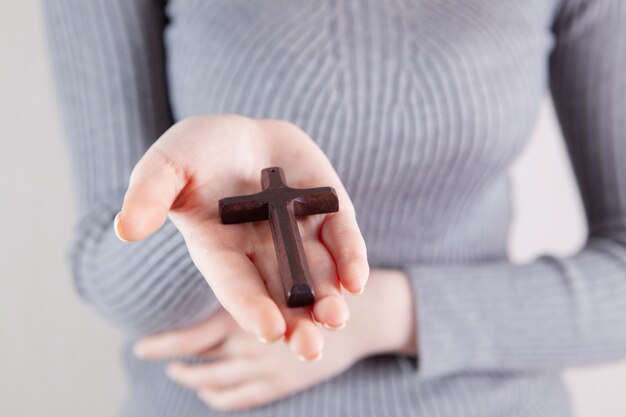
(57, 358)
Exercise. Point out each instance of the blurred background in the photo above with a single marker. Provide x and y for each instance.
(57, 358)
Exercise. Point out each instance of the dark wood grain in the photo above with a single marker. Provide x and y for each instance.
(280, 204)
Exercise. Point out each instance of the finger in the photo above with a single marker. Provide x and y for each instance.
(219, 374)
(155, 183)
(330, 307)
(340, 231)
(341, 235)
(185, 342)
(235, 281)
(303, 337)
(241, 397)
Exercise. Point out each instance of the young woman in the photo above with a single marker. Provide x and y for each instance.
(413, 111)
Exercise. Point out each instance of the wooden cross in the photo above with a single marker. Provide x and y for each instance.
(280, 204)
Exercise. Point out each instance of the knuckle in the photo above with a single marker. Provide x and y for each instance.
(181, 345)
(354, 257)
(348, 233)
(168, 162)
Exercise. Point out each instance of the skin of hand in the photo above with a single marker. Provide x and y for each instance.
(202, 159)
(244, 373)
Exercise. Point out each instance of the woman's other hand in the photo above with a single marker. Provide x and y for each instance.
(244, 373)
(202, 159)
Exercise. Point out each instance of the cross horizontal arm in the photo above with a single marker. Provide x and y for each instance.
(315, 201)
(242, 209)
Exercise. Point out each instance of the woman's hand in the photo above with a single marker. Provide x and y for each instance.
(205, 158)
(245, 373)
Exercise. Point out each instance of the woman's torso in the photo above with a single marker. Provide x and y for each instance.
(421, 106)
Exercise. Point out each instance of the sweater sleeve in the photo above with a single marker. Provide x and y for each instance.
(109, 62)
(554, 312)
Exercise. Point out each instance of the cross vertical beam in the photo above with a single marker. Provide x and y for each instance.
(280, 204)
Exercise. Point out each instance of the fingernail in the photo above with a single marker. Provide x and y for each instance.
(313, 359)
(359, 292)
(329, 327)
(268, 341)
(116, 227)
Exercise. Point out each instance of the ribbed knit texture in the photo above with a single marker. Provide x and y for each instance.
(421, 107)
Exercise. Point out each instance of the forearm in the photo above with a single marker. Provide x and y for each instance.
(109, 61)
(550, 314)
(143, 287)
(547, 315)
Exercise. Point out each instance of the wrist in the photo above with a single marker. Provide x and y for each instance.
(384, 315)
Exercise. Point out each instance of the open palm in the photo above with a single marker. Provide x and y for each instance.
(205, 158)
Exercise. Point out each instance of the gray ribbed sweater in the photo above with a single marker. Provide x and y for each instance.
(421, 107)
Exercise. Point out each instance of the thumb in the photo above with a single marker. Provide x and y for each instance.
(155, 183)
